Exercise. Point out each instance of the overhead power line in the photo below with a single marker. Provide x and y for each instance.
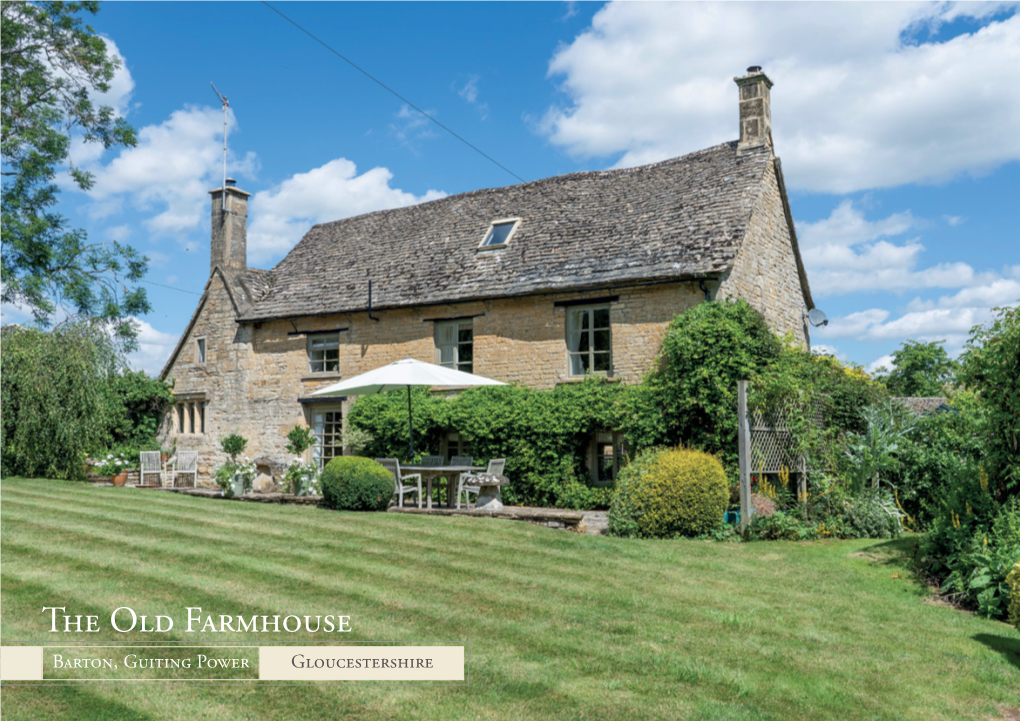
(394, 92)
(172, 288)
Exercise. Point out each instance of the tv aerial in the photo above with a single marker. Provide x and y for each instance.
(225, 104)
(816, 317)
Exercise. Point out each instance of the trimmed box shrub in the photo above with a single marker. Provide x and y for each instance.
(351, 483)
(665, 493)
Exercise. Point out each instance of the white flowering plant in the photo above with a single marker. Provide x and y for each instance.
(301, 478)
(113, 464)
(227, 471)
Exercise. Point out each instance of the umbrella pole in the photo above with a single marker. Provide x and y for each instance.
(410, 426)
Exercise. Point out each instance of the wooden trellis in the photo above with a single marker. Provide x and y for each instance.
(767, 446)
(772, 443)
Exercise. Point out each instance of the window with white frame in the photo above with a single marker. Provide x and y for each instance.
(500, 232)
(200, 350)
(327, 424)
(324, 353)
(455, 344)
(589, 342)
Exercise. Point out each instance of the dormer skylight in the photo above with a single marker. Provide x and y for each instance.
(500, 232)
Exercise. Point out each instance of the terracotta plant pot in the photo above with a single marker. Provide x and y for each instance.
(120, 479)
(164, 457)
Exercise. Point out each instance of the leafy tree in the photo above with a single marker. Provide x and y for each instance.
(920, 370)
(52, 66)
(136, 407)
(55, 398)
(991, 367)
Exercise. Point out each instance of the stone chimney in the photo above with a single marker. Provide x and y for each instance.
(229, 227)
(755, 111)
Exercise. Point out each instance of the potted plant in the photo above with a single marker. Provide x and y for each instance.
(115, 466)
(234, 477)
(301, 479)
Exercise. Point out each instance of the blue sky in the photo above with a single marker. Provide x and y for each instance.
(896, 124)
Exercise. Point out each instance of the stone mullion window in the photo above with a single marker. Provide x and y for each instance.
(324, 353)
(589, 341)
(455, 345)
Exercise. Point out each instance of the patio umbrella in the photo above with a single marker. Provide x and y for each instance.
(404, 374)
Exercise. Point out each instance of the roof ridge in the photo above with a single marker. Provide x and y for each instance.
(576, 175)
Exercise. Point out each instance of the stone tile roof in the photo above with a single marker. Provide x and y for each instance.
(922, 406)
(680, 218)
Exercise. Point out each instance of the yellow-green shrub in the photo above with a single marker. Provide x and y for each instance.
(666, 493)
(1013, 583)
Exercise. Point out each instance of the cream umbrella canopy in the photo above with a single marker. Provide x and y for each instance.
(404, 374)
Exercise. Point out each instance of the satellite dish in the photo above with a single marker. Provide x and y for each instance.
(817, 317)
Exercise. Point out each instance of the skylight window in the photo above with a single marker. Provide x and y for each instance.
(499, 233)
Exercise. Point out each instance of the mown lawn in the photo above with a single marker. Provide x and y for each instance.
(559, 625)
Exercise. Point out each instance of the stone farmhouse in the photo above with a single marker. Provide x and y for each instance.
(538, 284)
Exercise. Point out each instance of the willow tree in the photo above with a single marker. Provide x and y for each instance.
(55, 395)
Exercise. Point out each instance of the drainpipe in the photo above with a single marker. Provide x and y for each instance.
(370, 302)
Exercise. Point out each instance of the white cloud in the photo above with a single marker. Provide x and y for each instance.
(881, 366)
(823, 349)
(281, 216)
(847, 226)
(470, 90)
(119, 233)
(154, 347)
(853, 325)
(170, 170)
(950, 324)
(846, 253)
(412, 125)
(470, 93)
(864, 96)
(122, 85)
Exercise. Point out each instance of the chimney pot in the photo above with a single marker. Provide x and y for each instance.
(231, 182)
(754, 69)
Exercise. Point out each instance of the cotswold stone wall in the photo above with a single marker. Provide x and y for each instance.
(255, 374)
(765, 270)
